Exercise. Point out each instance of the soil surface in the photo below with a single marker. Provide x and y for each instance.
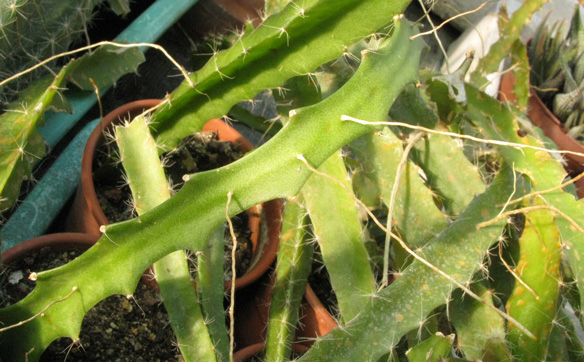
(121, 329)
(116, 329)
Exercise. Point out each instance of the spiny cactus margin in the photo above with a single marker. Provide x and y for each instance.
(21, 146)
(33, 30)
(402, 306)
(292, 269)
(512, 31)
(147, 180)
(272, 171)
(293, 42)
(544, 171)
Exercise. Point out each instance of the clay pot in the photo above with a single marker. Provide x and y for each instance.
(251, 318)
(87, 215)
(315, 320)
(57, 243)
(551, 126)
(60, 241)
(250, 351)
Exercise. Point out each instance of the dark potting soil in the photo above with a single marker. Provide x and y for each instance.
(14, 281)
(121, 329)
(116, 329)
(200, 152)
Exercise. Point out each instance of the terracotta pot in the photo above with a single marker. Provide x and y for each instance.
(87, 214)
(253, 350)
(251, 318)
(315, 320)
(551, 126)
(60, 241)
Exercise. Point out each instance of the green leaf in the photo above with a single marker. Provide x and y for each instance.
(105, 66)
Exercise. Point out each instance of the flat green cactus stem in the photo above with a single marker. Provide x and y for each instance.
(544, 171)
(211, 292)
(337, 229)
(147, 180)
(458, 251)
(292, 269)
(511, 32)
(21, 147)
(449, 172)
(116, 262)
(432, 349)
(295, 41)
(539, 269)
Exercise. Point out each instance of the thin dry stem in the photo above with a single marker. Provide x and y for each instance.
(537, 193)
(435, 32)
(415, 255)
(91, 46)
(458, 135)
(39, 314)
(515, 275)
(525, 210)
(435, 29)
(391, 206)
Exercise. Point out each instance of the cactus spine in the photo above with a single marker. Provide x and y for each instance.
(295, 41)
(405, 303)
(33, 30)
(479, 330)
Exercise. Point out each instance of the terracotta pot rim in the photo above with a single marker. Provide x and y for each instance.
(57, 240)
(270, 209)
(252, 350)
(93, 142)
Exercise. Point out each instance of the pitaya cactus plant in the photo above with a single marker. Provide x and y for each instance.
(466, 211)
